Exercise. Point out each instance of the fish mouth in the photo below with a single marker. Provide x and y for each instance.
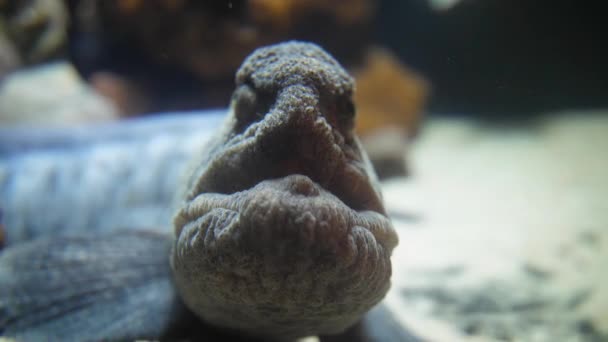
(285, 258)
(312, 155)
(292, 209)
(309, 147)
(291, 235)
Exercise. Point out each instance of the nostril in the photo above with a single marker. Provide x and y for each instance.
(304, 186)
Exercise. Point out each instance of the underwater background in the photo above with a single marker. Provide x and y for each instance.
(486, 120)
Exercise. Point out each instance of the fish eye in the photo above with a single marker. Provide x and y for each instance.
(244, 101)
(349, 109)
(250, 105)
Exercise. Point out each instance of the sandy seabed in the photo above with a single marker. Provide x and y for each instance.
(504, 231)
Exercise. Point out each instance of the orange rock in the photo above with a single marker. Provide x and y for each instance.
(129, 6)
(390, 100)
(286, 13)
(132, 6)
(273, 12)
(388, 94)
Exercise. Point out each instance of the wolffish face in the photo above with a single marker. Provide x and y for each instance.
(283, 232)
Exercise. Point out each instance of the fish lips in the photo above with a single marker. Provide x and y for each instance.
(285, 258)
(294, 207)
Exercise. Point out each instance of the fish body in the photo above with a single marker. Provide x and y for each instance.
(278, 227)
(55, 181)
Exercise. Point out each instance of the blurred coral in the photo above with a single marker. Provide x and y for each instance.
(192, 34)
(182, 54)
(388, 94)
(281, 14)
(390, 100)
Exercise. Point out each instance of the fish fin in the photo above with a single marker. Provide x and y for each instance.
(88, 288)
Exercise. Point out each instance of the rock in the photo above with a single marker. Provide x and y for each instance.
(285, 14)
(390, 100)
(388, 94)
(52, 94)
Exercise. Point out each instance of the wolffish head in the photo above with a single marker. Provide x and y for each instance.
(282, 232)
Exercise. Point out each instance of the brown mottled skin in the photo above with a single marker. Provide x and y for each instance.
(280, 231)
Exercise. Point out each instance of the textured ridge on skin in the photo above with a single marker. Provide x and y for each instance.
(282, 232)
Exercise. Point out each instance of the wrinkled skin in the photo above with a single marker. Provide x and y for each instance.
(282, 232)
